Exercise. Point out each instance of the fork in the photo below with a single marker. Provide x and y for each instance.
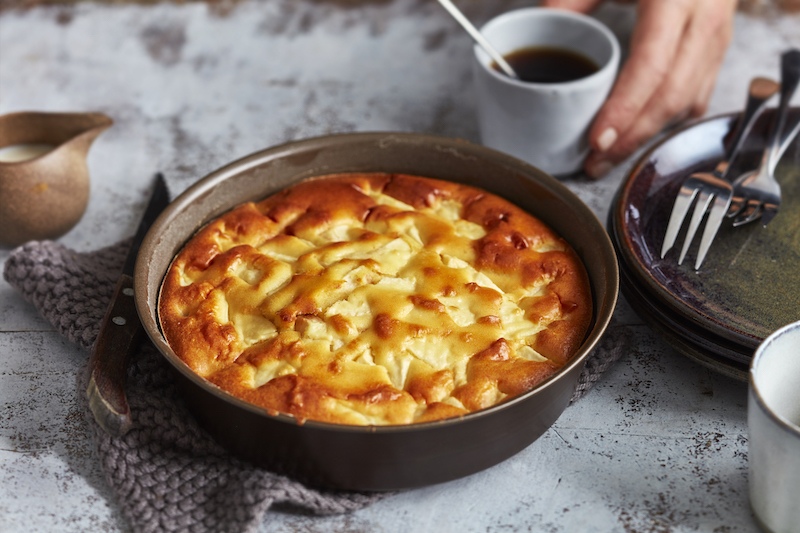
(710, 187)
(738, 202)
(758, 193)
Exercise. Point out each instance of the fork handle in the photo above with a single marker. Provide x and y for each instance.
(790, 78)
(758, 94)
(787, 139)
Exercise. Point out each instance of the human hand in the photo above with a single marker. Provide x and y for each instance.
(676, 50)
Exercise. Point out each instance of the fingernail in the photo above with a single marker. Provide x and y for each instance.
(606, 139)
(599, 169)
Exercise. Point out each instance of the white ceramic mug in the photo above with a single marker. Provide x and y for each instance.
(545, 124)
(773, 421)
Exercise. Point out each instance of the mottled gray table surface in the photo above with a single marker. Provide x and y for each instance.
(660, 444)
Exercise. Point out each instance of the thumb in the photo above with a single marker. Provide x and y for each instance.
(582, 6)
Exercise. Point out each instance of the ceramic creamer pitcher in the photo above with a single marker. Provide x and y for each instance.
(44, 179)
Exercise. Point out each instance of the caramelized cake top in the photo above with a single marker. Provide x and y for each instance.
(376, 299)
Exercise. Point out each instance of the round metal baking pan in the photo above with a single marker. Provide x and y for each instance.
(384, 457)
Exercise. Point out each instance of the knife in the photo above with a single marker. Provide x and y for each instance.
(120, 334)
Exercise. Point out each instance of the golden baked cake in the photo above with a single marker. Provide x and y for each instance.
(376, 299)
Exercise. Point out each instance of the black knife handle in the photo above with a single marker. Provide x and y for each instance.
(119, 336)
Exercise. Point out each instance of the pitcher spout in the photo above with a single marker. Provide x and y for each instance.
(53, 129)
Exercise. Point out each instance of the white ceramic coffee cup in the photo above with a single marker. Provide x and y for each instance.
(545, 124)
(773, 421)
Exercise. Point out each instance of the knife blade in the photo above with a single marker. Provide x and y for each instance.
(120, 333)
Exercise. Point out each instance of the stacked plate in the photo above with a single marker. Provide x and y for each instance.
(748, 285)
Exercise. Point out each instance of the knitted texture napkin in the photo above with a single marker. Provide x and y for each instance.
(166, 472)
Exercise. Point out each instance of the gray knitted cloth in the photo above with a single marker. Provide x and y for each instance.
(166, 472)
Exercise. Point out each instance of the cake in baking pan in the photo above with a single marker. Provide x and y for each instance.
(375, 299)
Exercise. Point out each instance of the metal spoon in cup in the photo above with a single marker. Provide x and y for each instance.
(476, 35)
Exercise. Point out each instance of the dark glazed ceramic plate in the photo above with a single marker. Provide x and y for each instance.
(749, 284)
(718, 354)
(715, 353)
(384, 457)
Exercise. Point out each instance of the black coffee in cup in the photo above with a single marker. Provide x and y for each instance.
(547, 64)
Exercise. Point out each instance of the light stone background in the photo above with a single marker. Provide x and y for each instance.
(659, 445)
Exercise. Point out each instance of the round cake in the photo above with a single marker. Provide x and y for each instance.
(375, 299)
